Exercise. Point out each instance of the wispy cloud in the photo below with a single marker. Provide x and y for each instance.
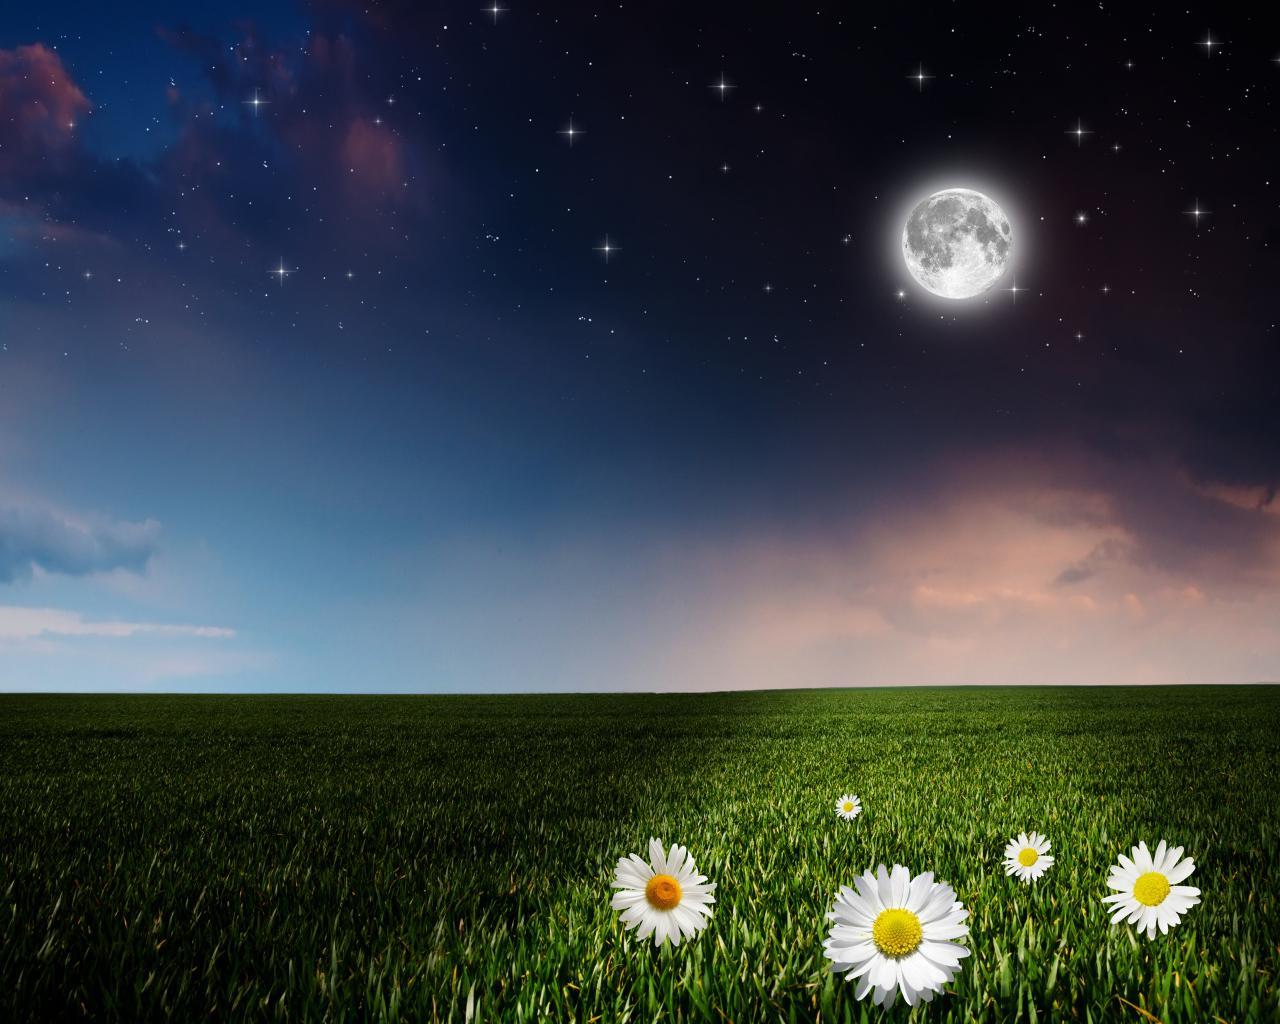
(19, 623)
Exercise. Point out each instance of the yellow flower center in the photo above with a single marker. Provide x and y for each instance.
(848, 806)
(897, 932)
(1028, 857)
(662, 892)
(1151, 889)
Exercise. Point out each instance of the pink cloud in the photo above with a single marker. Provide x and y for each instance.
(375, 161)
(964, 588)
(330, 131)
(40, 108)
(1254, 499)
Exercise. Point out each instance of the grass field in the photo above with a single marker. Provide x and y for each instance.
(449, 858)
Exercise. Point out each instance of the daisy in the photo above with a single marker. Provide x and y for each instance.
(895, 933)
(1027, 856)
(666, 896)
(1149, 893)
(848, 807)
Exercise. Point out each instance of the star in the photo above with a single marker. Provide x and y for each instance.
(1106, 289)
(1115, 147)
(768, 288)
(724, 168)
(1082, 218)
(350, 275)
(1013, 290)
(280, 273)
(1208, 42)
(494, 11)
(571, 132)
(1079, 335)
(1079, 131)
(723, 86)
(256, 102)
(607, 248)
(919, 77)
(1196, 213)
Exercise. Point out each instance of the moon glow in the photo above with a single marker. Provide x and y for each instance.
(957, 243)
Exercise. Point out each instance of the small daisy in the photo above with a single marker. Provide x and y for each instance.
(895, 933)
(1148, 891)
(666, 896)
(1027, 856)
(848, 807)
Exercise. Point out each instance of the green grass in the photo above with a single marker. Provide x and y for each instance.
(449, 858)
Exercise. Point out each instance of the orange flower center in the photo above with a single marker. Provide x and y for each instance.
(662, 892)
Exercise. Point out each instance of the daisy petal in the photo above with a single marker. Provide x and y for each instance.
(1180, 871)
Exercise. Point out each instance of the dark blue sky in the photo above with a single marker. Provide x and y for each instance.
(334, 360)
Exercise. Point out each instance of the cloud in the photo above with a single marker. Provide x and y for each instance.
(990, 580)
(1033, 567)
(1253, 498)
(324, 129)
(323, 120)
(37, 538)
(376, 158)
(969, 593)
(40, 109)
(51, 187)
(1108, 551)
(19, 623)
(54, 649)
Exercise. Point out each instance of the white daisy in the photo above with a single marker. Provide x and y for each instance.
(1149, 894)
(666, 896)
(1027, 856)
(848, 807)
(895, 933)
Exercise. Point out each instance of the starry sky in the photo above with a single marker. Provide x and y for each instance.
(391, 346)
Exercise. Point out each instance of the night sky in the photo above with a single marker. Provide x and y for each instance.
(399, 346)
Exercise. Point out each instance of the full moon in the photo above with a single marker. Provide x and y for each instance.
(957, 243)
